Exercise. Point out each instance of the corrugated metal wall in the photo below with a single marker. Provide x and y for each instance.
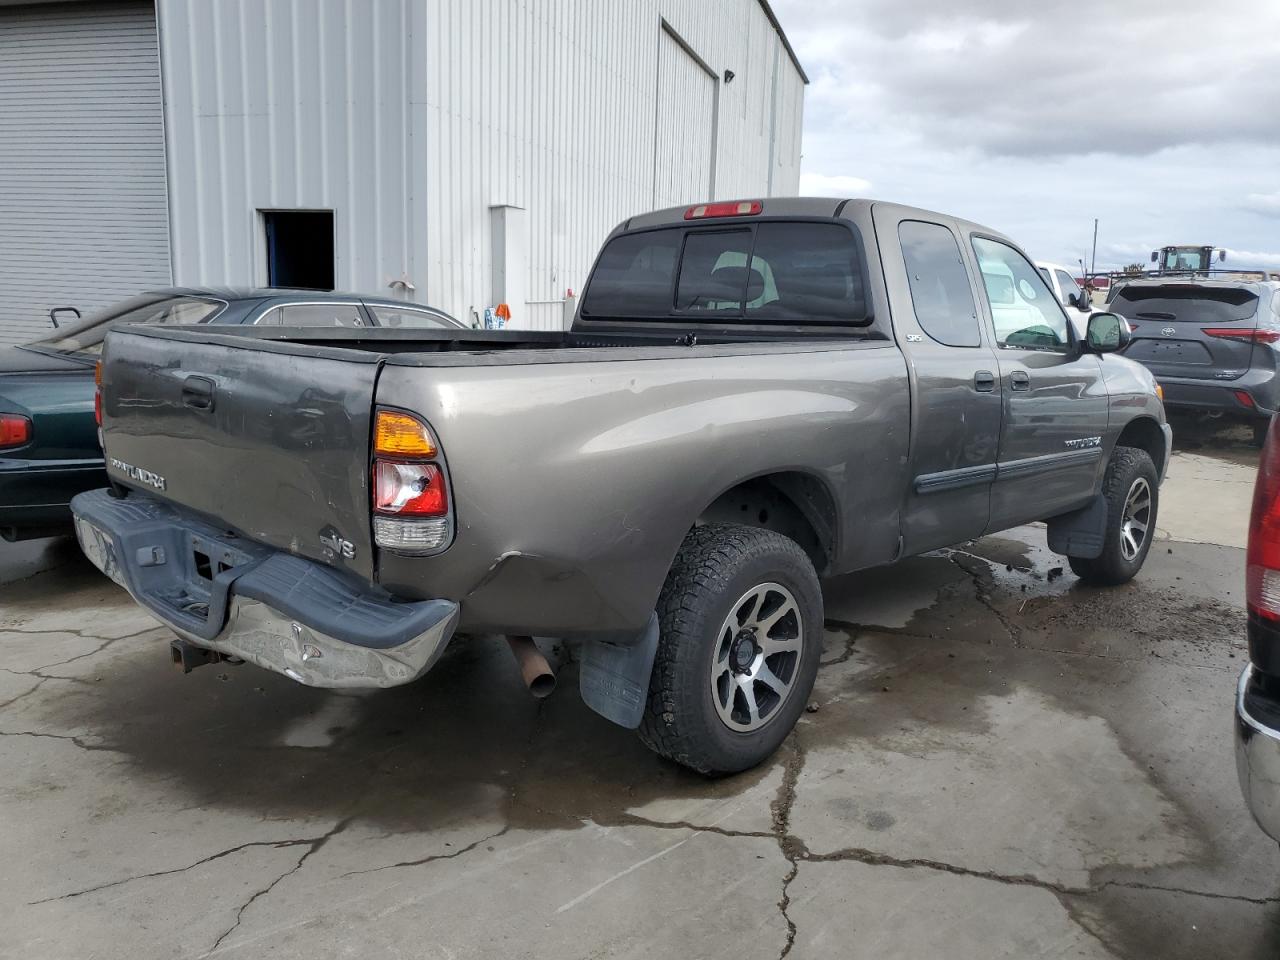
(82, 179)
(684, 151)
(411, 118)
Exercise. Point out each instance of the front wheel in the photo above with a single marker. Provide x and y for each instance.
(740, 620)
(1131, 489)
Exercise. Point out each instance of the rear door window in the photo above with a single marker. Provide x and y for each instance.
(408, 317)
(315, 315)
(940, 291)
(764, 273)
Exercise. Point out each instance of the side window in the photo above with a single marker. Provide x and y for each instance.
(1045, 273)
(940, 290)
(323, 315)
(1024, 310)
(269, 319)
(407, 317)
(1068, 284)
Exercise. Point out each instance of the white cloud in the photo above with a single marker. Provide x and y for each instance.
(1267, 204)
(817, 185)
(1035, 122)
(1249, 258)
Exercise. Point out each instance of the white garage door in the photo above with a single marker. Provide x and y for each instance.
(686, 126)
(83, 220)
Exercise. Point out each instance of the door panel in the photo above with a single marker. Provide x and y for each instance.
(955, 408)
(1055, 399)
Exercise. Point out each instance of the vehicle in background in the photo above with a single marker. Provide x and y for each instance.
(1186, 260)
(48, 439)
(1069, 293)
(1257, 707)
(1211, 344)
(753, 393)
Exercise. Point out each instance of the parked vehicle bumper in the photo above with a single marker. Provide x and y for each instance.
(1257, 737)
(1187, 395)
(312, 623)
(36, 494)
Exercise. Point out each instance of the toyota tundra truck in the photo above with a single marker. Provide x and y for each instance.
(753, 395)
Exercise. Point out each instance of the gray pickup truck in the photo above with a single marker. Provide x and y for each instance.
(753, 395)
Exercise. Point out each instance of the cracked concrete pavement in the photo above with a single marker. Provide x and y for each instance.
(1003, 763)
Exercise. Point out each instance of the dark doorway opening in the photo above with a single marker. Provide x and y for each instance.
(299, 248)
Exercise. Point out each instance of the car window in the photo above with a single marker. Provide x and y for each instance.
(1024, 310)
(170, 310)
(1068, 284)
(1045, 273)
(314, 315)
(409, 317)
(770, 272)
(939, 282)
(714, 274)
(634, 276)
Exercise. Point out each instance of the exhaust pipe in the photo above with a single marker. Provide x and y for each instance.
(534, 669)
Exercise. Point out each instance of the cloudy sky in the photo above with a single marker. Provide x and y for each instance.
(1160, 119)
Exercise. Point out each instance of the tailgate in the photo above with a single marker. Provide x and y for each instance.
(270, 440)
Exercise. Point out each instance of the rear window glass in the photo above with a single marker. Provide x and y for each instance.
(1186, 302)
(772, 272)
(178, 310)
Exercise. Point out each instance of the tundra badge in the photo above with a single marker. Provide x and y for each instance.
(1083, 443)
(138, 474)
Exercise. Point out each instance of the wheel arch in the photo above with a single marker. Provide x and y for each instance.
(1145, 433)
(794, 503)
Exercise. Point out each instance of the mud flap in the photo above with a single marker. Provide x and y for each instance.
(614, 677)
(1080, 533)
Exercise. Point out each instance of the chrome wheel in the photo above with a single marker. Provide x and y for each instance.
(757, 657)
(1136, 519)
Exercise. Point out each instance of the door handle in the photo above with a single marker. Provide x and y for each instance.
(1020, 380)
(197, 393)
(984, 381)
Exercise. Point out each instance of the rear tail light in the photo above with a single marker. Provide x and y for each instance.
(411, 510)
(15, 430)
(1262, 593)
(732, 208)
(1260, 335)
(1243, 398)
(97, 394)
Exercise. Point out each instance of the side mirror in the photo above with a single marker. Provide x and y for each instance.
(1079, 300)
(1222, 255)
(1107, 333)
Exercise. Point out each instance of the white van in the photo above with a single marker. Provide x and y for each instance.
(1074, 300)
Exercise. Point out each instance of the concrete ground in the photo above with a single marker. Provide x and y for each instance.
(1003, 763)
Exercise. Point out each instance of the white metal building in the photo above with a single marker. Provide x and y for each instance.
(458, 152)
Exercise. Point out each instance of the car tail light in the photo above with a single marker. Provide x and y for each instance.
(1260, 335)
(400, 434)
(15, 430)
(97, 393)
(1243, 398)
(411, 509)
(731, 208)
(1262, 593)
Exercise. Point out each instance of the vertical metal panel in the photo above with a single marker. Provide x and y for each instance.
(410, 119)
(82, 180)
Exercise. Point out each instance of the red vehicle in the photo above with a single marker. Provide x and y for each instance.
(1258, 693)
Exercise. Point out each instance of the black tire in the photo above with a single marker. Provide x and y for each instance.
(1260, 428)
(1128, 467)
(718, 564)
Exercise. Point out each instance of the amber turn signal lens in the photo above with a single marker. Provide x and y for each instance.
(1160, 391)
(402, 435)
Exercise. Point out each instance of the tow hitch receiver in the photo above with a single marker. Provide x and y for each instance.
(187, 656)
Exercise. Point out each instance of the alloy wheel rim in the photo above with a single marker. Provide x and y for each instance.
(1135, 522)
(756, 658)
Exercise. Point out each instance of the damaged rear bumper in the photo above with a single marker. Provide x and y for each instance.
(242, 599)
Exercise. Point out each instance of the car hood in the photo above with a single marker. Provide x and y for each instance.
(26, 360)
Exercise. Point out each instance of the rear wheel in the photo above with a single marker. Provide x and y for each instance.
(740, 620)
(1131, 490)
